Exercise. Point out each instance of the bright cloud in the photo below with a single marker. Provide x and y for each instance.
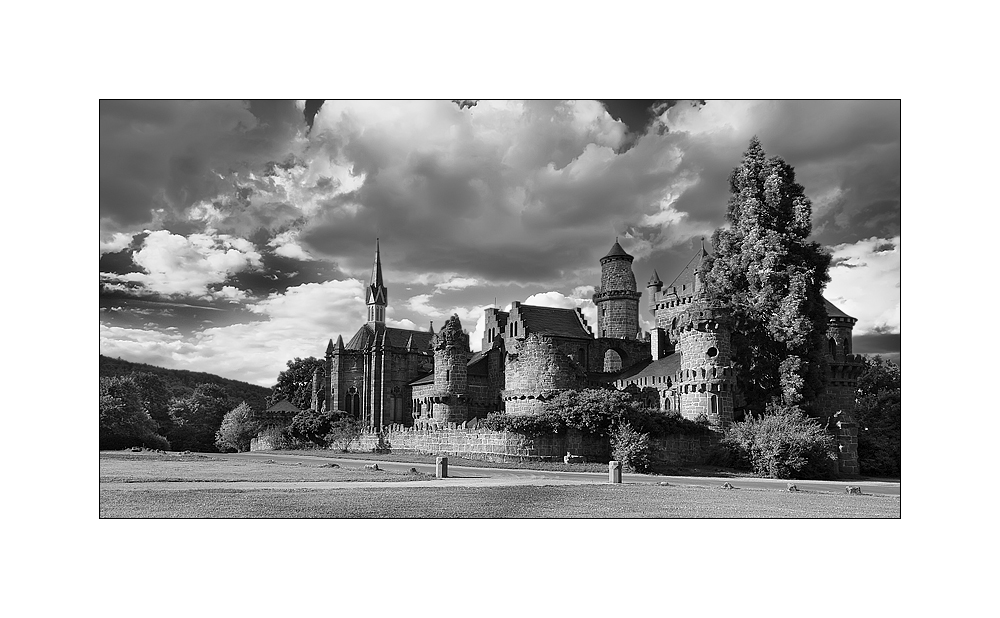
(864, 283)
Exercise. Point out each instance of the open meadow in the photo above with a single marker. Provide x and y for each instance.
(200, 486)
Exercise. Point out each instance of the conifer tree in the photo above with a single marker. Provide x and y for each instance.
(772, 277)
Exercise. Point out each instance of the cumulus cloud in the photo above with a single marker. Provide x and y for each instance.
(864, 283)
(187, 266)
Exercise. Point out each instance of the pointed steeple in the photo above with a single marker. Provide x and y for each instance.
(699, 283)
(432, 327)
(654, 281)
(329, 346)
(377, 295)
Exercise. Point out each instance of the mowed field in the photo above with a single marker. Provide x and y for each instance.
(192, 491)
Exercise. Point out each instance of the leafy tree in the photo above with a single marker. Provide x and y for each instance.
(295, 382)
(124, 421)
(783, 443)
(879, 418)
(312, 426)
(772, 277)
(237, 430)
(197, 418)
(155, 397)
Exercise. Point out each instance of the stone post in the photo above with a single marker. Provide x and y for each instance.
(614, 472)
(441, 470)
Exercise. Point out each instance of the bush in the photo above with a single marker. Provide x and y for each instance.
(344, 432)
(527, 425)
(631, 448)
(312, 426)
(783, 443)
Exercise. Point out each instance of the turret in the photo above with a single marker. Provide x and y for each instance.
(451, 378)
(331, 382)
(836, 405)
(617, 299)
(706, 377)
(377, 295)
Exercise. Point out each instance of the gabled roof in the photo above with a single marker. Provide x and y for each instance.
(833, 312)
(666, 366)
(553, 321)
(394, 337)
(283, 406)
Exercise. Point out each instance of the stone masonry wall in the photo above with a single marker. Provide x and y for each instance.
(683, 450)
(535, 370)
(486, 445)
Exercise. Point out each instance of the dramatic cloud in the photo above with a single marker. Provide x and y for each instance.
(864, 283)
(262, 209)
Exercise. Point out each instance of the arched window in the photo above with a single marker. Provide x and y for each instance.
(847, 345)
(612, 361)
(833, 346)
(715, 404)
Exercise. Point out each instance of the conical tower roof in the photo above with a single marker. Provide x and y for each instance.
(654, 280)
(616, 252)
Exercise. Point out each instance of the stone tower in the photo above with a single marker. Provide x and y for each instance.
(451, 378)
(377, 295)
(706, 378)
(836, 405)
(617, 299)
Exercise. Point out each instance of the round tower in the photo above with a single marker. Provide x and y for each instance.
(617, 299)
(451, 375)
(706, 378)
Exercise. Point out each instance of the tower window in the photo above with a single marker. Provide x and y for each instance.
(712, 352)
(833, 346)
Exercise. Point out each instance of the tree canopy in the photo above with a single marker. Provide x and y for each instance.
(238, 428)
(879, 418)
(772, 276)
(197, 418)
(295, 382)
(124, 421)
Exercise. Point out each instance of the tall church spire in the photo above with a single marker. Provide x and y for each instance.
(377, 295)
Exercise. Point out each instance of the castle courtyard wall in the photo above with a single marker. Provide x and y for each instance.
(504, 447)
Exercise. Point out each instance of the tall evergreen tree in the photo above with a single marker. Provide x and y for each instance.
(772, 277)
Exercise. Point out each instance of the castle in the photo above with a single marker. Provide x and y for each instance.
(385, 376)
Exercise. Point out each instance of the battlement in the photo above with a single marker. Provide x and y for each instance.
(699, 317)
(847, 371)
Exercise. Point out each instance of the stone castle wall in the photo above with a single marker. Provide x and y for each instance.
(502, 446)
(535, 370)
(486, 445)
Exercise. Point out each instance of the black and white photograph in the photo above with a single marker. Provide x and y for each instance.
(500, 309)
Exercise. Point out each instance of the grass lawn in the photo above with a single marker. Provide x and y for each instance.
(495, 502)
(146, 466)
(551, 466)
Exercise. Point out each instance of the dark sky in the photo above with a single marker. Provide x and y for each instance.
(234, 236)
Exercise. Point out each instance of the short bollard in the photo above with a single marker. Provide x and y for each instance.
(614, 472)
(442, 468)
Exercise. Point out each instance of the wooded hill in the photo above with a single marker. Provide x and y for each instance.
(181, 383)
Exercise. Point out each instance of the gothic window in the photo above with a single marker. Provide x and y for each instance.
(833, 346)
(715, 404)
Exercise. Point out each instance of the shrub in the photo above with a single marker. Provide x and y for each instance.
(783, 443)
(631, 448)
(344, 432)
(312, 426)
(528, 425)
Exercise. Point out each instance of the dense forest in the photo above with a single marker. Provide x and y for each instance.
(154, 407)
(181, 383)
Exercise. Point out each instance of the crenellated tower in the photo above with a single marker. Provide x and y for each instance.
(377, 295)
(451, 380)
(837, 403)
(617, 299)
(701, 329)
